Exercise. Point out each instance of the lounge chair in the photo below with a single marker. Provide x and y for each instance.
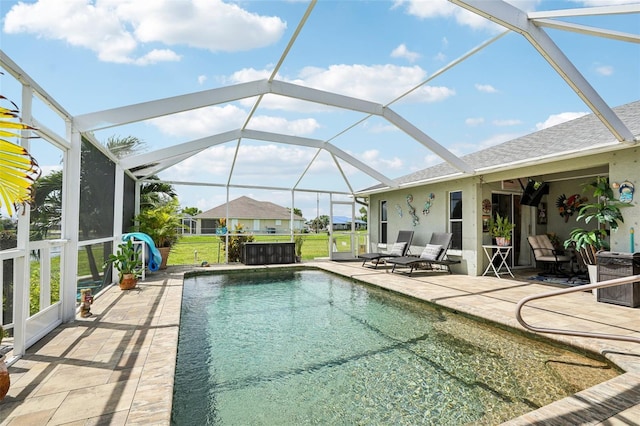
(399, 249)
(433, 254)
(546, 254)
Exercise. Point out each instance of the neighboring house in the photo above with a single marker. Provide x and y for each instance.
(566, 156)
(255, 216)
(343, 223)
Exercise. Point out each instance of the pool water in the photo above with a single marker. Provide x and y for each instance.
(307, 347)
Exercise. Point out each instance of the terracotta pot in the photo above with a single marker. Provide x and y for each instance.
(5, 380)
(164, 252)
(128, 282)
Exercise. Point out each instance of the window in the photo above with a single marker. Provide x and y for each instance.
(455, 219)
(383, 222)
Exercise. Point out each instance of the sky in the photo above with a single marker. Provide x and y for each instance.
(95, 55)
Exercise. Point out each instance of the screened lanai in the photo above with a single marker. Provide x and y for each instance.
(357, 147)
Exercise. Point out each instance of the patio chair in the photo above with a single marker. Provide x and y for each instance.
(547, 255)
(433, 254)
(399, 249)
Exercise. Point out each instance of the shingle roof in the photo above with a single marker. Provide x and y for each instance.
(344, 220)
(248, 208)
(575, 138)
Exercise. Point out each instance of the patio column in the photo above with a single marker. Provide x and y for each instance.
(70, 225)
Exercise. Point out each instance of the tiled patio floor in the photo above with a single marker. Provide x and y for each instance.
(116, 367)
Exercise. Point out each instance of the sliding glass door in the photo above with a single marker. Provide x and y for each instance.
(508, 205)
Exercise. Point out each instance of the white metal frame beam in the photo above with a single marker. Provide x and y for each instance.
(154, 109)
(516, 20)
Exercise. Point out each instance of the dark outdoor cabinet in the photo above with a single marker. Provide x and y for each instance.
(618, 265)
(268, 253)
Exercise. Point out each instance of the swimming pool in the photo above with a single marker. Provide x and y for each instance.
(308, 347)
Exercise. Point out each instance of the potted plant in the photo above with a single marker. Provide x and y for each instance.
(606, 215)
(298, 241)
(163, 224)
(501, 229)
(5, 380)
(128, 263)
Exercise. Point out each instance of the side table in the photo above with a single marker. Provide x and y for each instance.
(499, 255)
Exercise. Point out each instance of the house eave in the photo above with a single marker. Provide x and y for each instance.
(506, 167)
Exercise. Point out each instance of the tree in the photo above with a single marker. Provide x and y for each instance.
(123, 147)
(363, 213)
(18, 169)
(153, 194)
(46, 209)
(191, 211)
(296, 211)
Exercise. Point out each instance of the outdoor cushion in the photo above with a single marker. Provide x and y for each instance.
(397, 249)
(431, 252)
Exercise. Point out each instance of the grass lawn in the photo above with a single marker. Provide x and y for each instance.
(194, 249)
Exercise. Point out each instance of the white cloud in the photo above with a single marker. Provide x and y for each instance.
(202, 79)
(554, 119)
(376, 83)
(593, 3)
(257, 161)
(605, 70)
(402, 52)
(505, 123)
(119, 30)
(212, 120)
(444, 9)
(375, 160)
(486, 88)
(474, 121)
(157, 55)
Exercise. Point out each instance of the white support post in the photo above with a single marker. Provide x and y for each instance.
(70, 226)
(118, 189)
(22, 273)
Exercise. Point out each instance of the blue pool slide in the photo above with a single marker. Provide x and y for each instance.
(156, 258)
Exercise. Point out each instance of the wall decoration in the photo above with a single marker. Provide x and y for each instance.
(486, 206)
(412, 210)
(428, 204)
(399, 210)
(542, 214)
(486, 219)
(568, 206)
(626, 192)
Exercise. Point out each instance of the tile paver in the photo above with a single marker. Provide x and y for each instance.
(116, 367)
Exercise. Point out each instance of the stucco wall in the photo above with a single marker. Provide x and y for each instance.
(568, 178)
(437, 220)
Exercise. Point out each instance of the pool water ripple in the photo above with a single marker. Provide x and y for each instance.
(306, 347)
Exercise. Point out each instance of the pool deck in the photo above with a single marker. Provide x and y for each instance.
(116, 367)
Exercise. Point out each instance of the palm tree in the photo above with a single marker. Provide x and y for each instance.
(152, 194)
(122, 147)
(18, 169)
(46, 209)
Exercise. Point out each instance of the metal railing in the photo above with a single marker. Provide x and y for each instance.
(587, 287)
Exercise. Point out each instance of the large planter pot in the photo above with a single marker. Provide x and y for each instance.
(5, 380)
(128, 282)
(164, 252)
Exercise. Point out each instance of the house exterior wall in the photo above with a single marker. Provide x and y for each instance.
(437, 220)
(266, 226)
(569, 177)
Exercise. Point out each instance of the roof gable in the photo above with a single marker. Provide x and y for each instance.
(248, 208)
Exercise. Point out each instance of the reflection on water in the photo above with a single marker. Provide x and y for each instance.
(311, 348)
